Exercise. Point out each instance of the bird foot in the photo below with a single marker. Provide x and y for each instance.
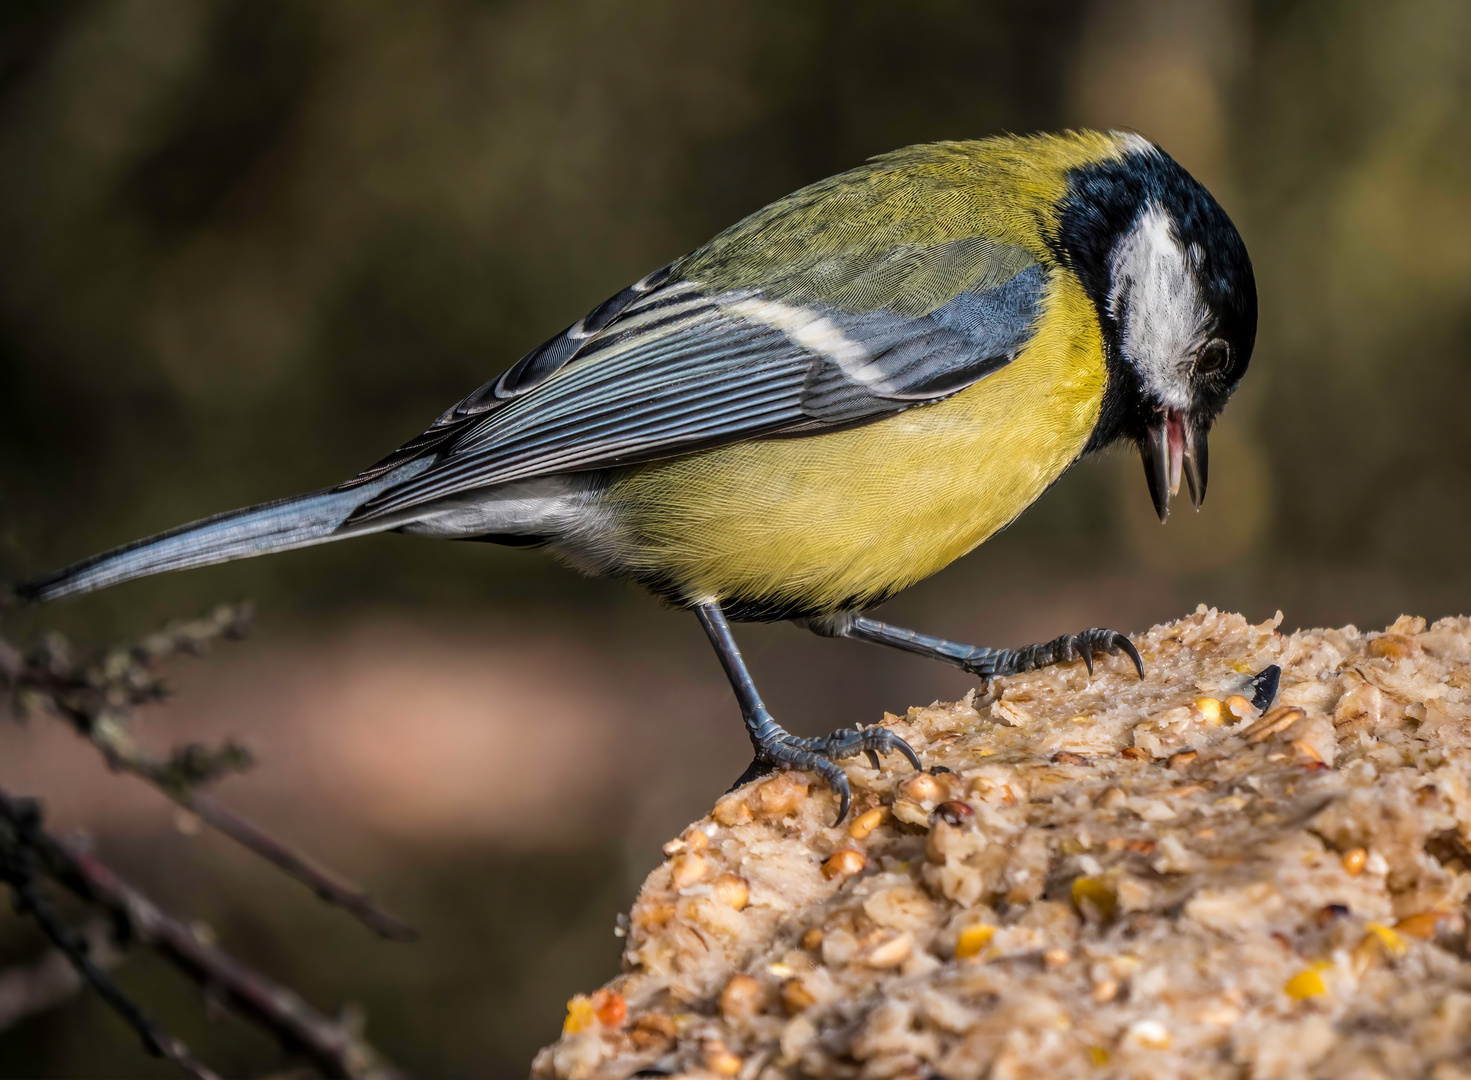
(777, 748)
(1061, 650)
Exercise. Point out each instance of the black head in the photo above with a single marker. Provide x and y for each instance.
(1176, 298)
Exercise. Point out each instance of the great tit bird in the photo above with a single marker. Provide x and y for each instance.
(831, 400)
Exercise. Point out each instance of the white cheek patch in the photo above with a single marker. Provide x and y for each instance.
(1158, 303)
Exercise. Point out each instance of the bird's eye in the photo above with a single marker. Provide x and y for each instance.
(1214, 358)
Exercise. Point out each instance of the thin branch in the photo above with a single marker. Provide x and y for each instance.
(322, 881)
(20, 869)
(31, 988)
(97, 701)
(331, 1046)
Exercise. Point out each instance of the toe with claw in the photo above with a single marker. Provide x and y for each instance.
(821, 755)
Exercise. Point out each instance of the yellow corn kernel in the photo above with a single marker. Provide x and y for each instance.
(580, 1015)
(732, 890)
(1307, 983)
(1210, 709)
(1098, 1055)
(1392, 942)
(1354, 860)
(1237, 707)
(720, 1060)
(922, 788)
(973, 939)
(687, 870)
(742, 997)
(866, 822)
(843, 863)
(1098, 894)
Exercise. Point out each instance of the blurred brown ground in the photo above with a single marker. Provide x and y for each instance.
(247, 246)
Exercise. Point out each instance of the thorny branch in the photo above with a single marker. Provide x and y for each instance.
(28, 854)
(97, 700)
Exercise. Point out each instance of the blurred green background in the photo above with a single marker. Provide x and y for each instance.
(248, 246)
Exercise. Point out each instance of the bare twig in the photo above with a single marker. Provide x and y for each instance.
(31, 988)
(326, 884)
(331, 1046)
(20, 857)
(97, 701)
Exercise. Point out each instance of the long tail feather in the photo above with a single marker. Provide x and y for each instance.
(297, 522)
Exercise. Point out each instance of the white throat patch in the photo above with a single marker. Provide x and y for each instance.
(1157, 303)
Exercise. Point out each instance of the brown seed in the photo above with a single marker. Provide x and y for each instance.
(731, 889)
(1067, 757)
(1183, 759)
(843, 863)
(812, 939)
(922, 787)
(953, 812)
(1273, 723)
(866, 822)
(1354, 860)
(1105, 991)
(718, 1059)
(795, 997)
(686, 870)
(1134, 753)
(1423, 925)
(651, 916)
(610, 1008)
(652, 1031)
(1393, 647)
(778, 797)
(1306, 752)
(1056, 958)
(742, 997)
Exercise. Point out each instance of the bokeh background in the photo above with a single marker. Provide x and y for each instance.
(247, 246)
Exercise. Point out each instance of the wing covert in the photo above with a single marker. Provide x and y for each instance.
(667, 367)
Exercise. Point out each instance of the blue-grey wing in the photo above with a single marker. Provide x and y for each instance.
(666, 367)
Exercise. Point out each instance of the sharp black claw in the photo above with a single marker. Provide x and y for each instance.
(1087, 652)
(840, 785)
(1132, 653)
(908, 751)
(873, 757)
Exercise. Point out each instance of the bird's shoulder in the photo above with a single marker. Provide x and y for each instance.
(909, 230)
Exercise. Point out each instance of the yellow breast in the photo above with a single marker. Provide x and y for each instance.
(851, 516)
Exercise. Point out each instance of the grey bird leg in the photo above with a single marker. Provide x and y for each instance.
(976, 659)
(777, 748)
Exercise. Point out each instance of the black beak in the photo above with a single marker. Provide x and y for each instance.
(1171, 447)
